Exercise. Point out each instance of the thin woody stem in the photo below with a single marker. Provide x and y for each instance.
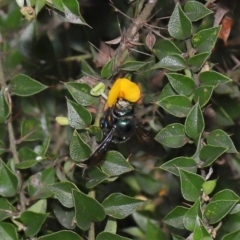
(4, 88)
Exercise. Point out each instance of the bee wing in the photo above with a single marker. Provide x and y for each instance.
(152, 146)
(101, 150)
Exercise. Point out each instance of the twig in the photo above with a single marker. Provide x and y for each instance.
(4, 88)
(121, 52)
(91, 232)
(11, 134)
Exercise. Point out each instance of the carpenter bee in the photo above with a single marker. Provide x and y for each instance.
(119, 124)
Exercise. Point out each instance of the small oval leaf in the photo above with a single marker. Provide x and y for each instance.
(78, 116)
(203, 94)
(172, 136)
(120, 206)
(196, 10)
(22, 85)
(79, 150)
(181, 84)
(8, 181)
(191, 185)
(185, 163)
(178, 106)
(81, 93)
(204, 40)
(87, 210)
(175, 217)
(213, 78)
(115, 164)
(61, 235)
(179, 26)
(221, 139)
(171, 62)
(220, 205)
(194, 124)
(63, 192)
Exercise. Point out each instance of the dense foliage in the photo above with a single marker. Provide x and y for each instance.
(58, 61)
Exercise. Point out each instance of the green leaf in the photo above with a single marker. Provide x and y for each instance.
(111, 225)
(65, 216)
(28, 158)
(232, 236)
(26, 153)
(166, 92)
(61, 235)
(87, 68)
(56, 4)
(33, 227)
(39, 207)
(115, 164)
(78, 116)
(96, 177)
(196, 10)
(165, 48)
(181, 84)
(31, 130)
(175, 217)
(22, 85)
(194, 124)
(108, 235)
(204, 40)
(191, 185)
(133, 65)
(96, 131)
(200, 232)
(135, 232)
(87, 210)
(39, 5)
(4, 107)
(8, 181)
(148, 183)
(172, 63)
(176, 237)
(63, 192)
(172, 136)
(81, 93)
(198, 143)
(220, 205)
(141, 219)
(185, 163)
(203, 94)
(179, 26)
(236, 209)
(38, 184)
(26, 164)
(8, 231)
(154, 232)
(79, 150)
(178, 106)
(191, 216)
(72, 12)
(197, 61)
(107, 70)
(6, 209)
(209, 186)
(120, 206)
(221, 139)
(209, 154)
(213, 78)
(44, 147)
